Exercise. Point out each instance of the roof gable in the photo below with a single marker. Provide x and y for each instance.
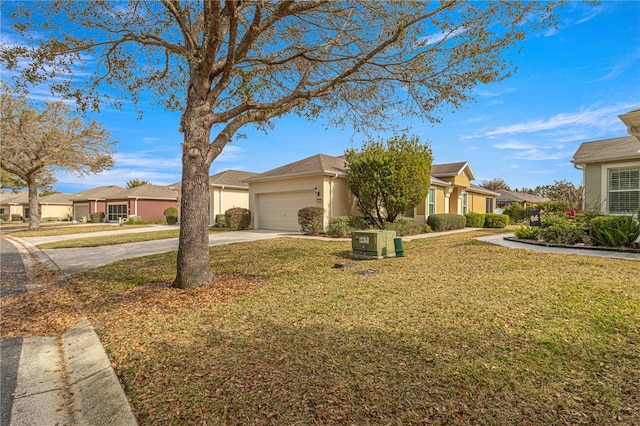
(626, 147)
(319, 164)
(452, 169)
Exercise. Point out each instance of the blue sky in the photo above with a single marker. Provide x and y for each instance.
(570, 86)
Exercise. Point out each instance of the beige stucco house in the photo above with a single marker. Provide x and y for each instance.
(53, 207)
(611, 170)
(322, 181)
(227, 189)
(276, 196)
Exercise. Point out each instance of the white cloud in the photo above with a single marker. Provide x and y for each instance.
(593, 120)
(514, 145)
(230, 153)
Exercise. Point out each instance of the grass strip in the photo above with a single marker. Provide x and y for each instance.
(456, 332)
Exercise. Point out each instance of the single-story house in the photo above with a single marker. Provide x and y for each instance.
(12, 203)
(92, 201)
(53, 206)
(148, 202)
(276, 196)
(506, 198)
(321, 180)
(451, 191)
(227, 190)
(611, 170)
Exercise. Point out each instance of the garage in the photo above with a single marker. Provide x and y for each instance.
(81, 211)
(279, 210)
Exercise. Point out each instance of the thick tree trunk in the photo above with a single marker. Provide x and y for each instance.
(34, 207)
(193, 267)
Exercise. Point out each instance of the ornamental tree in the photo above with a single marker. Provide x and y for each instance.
(229, 64)
(35, 139)
(389, 178)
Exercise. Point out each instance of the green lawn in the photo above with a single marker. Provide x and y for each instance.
(457, 332)
(68, 230)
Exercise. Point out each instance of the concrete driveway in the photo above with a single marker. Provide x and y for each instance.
(75, 260)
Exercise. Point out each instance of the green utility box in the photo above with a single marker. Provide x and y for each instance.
(373, 244)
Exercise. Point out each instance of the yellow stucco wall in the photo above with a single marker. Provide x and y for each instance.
(55, 211)
(221, 200)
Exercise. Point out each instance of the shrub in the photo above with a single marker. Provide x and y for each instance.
(133, 220)
(359, 222)
(221, 221)
(340, 226)
(402, 227)
(446, 221)
(171, 215)
(16, 217)
(311, 220)
(562, 231)
(613, 231)
(97, 217)
(5, 217)
(474, 220)
(494, 220)
(237, 218)
(516, 212)
(527, 232)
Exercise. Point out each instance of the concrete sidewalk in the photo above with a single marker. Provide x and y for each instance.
(55, 380)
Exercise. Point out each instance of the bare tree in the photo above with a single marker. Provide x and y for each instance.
(36, 139)
(228, 64)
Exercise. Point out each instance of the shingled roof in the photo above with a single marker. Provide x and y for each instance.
(148, 191)
(231, 178)
(626, 147)
(314, 165)
(450, 169)
(520, 197)
(99, 193)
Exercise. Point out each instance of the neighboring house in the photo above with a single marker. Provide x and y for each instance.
(506, 198)
(54, 206)
(92, 201)
(276, 196)
(451, 191)
(322, 181)
(227, 190)
(611, 170)
(12, 203)
(148, 202)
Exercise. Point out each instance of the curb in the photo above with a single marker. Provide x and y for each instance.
(96, 394)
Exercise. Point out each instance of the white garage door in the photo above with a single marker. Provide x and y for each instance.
(280, 210)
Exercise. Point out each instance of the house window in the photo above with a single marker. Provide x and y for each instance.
(26, 212)
(624, 190)
(116, 211)
(464, 204)
(432, 201)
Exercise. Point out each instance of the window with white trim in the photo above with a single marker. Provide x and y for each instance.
(464, 204)
(432, 201)
(624, 190)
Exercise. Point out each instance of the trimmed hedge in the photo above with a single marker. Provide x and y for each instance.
(171, 215)
(97, 217)
(238, 218)
(311, 219)
(446, 221)
(474, 220)
(15, 217)
(221, 221)
(5, 217)
(613, 231)
(494, 220)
